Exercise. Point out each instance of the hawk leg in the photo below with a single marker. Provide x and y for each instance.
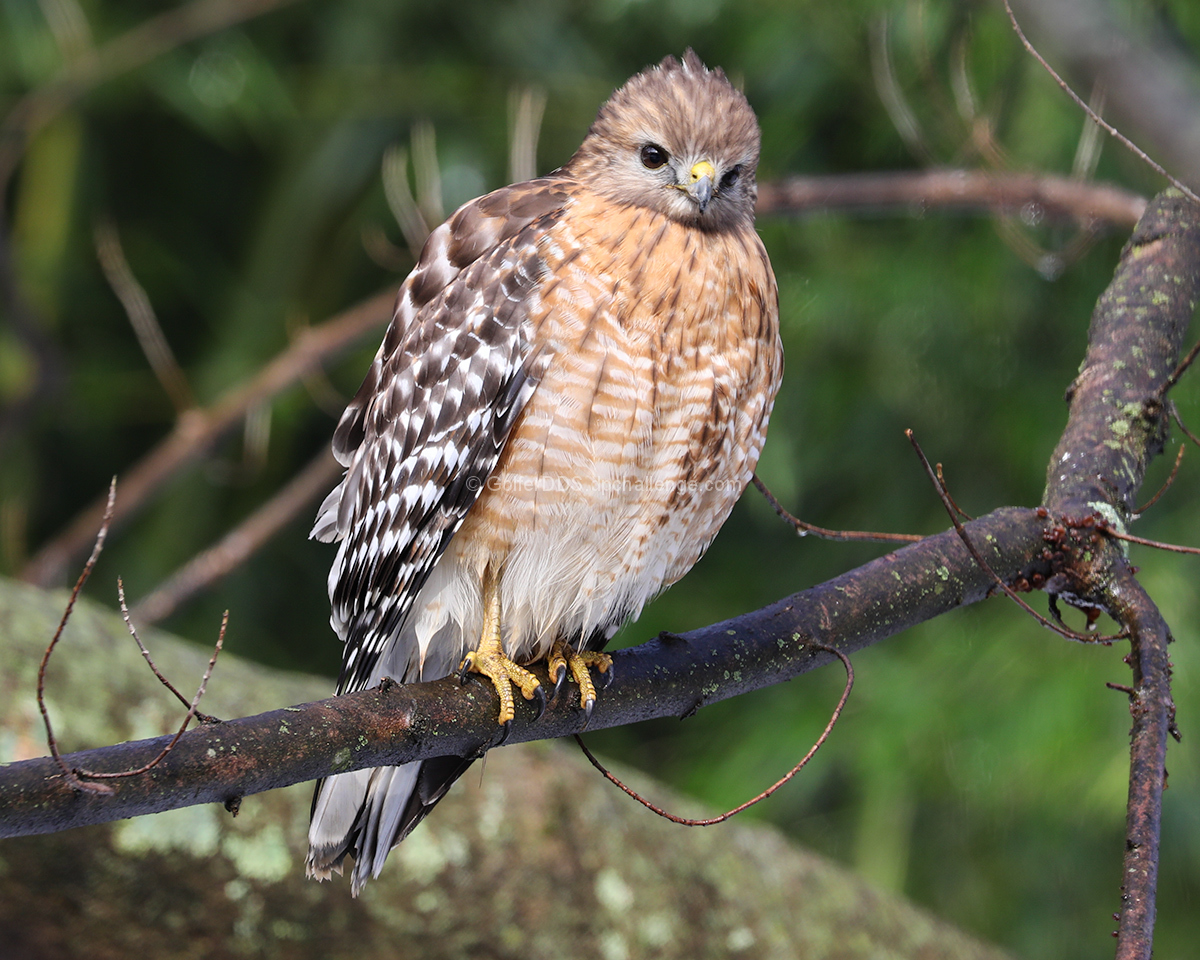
(489, 659)
(563, 658)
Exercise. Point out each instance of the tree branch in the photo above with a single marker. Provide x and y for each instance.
(1118, 422)
(670, 676)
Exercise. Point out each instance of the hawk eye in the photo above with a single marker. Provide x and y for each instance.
(653, 156)
(732, 175)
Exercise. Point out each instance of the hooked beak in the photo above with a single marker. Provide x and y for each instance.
(700, 185)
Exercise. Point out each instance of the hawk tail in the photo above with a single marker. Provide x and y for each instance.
(365, 813)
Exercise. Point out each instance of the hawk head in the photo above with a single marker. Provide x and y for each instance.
(678, 139)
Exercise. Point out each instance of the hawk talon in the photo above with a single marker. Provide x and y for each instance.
(539, 694)
(505, 730)
(464, 670)
(561, 680)
(587, 711)
(606, 676)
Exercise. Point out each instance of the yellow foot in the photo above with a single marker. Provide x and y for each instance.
(563, 658)
(504, 674)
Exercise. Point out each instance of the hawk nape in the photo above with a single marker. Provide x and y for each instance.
(572, 394)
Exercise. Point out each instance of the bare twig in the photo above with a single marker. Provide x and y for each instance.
(141, 315)
(192, 712)
(75, 775)
(804, 529)
(1166, 484)
(51, 742)
(1157, 544)
(125, 615)
(942, 482)
(1179, 422)
(948, 503)
(1179, 371)
(1096, 118)
(239, 544)
(197, 430)
(710, 821)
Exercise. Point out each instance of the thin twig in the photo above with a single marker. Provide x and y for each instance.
(804, 529)
(192, 712)
(959, 510)
(1182, 426)
(710, 821)
(41, 676)
(202, 717)
(944, 496)
(1165, 487)
(1179, 371)
(1096, 118)
(1105, 526)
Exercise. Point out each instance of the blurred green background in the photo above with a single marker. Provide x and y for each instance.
(980, 768)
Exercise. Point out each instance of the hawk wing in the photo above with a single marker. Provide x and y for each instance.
(433, 414)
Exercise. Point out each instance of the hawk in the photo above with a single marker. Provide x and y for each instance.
(572, 395)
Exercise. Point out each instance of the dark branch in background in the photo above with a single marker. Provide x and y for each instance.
(670, 676)
(197, 430)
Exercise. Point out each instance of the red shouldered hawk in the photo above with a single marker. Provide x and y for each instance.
(573, 393)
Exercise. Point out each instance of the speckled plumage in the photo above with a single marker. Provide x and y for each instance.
(574, 392)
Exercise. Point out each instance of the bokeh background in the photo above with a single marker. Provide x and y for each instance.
(980, 768)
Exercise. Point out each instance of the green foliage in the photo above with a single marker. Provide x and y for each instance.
(980, 768)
